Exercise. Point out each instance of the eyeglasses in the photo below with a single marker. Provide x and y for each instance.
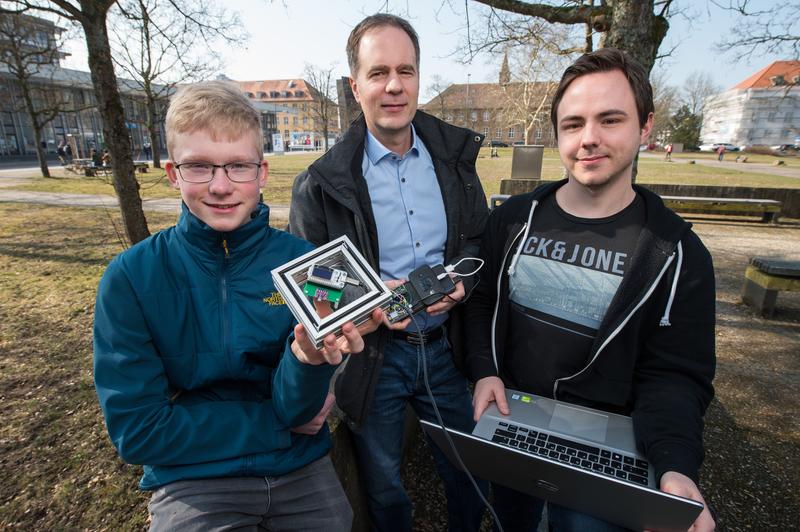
(204, 172)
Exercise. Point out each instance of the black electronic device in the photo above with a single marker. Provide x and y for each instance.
(423, 288)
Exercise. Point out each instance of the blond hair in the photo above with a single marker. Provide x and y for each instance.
(218, 107)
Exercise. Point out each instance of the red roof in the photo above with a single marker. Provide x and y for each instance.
(297, 89)
(763, 78)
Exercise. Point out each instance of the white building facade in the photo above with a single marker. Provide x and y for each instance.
(763, 110)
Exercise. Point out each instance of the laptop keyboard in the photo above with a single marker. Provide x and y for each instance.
(602, 461)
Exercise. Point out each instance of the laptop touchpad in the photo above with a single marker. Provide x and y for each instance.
(578, 422)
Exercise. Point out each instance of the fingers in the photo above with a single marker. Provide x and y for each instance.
(333, 348)
(679, 484)
(489, 390)
(502, 402)
(394, 283)
(303, 348)
(398, 325)
(448, 301)
(355, 343)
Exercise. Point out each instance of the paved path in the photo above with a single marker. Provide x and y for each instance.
(793, 170)
(18, 176)
(102, 201)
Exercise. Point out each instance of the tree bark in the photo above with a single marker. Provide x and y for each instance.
(635, 28)
(36, 125)
(152, 128)
(114, 130)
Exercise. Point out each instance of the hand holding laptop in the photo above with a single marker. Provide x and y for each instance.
(489, 390)
(681, 485)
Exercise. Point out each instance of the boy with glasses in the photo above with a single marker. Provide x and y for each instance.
(196, 369)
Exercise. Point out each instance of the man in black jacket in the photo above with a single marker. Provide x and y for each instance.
(595, 293)
(402, 186)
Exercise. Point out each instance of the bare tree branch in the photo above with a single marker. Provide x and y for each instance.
(323, 91)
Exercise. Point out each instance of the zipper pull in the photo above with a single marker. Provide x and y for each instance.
(225, 247)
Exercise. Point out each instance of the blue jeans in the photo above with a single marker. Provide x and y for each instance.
(379, 443)
(519, 512)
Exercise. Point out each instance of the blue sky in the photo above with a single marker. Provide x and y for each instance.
(285, 34)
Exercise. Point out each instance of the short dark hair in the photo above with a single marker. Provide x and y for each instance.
(606, 60)
(377, 20)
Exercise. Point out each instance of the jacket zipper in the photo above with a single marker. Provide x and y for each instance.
(624, 322)
(223, 281)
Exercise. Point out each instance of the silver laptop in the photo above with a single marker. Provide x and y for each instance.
(577, 457)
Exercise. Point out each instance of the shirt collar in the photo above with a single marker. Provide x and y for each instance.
(377, 151)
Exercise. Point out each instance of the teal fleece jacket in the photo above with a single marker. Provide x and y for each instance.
(192, 363)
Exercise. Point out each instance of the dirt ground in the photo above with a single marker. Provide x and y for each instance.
(751, 473)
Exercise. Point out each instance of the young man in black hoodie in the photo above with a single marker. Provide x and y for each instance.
(595, 293)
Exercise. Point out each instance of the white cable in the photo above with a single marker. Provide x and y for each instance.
(451, 267)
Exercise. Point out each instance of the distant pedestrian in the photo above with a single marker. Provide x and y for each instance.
(61, 153)
(720, 152)
(147, 148)
(68, 153)
(668, 156)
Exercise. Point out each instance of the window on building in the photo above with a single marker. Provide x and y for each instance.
(285, 120)
(473, 116)
(771, 116)
(485, 131)
(294, 121)
(305, 107)
(460, 118)
(305, 120)
(538, 134)
(486, 116)
(498, 133)
(286, 133)
(298, 94)
(511, 132)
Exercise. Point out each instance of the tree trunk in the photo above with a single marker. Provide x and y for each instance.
(40, 153)
(114, 130)
(636, 29)
(152, 121)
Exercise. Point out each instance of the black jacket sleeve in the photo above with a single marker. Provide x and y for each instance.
(479, 310)
(673, 375)
(307, 211)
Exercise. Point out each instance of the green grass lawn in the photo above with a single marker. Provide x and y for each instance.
(283, 169)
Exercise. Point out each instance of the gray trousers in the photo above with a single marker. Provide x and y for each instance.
(310, 498)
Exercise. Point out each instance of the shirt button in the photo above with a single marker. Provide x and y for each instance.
(402, 179)
(411, 212)
(418, 244)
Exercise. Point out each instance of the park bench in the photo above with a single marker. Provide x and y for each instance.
(764, 278)
(769, 210)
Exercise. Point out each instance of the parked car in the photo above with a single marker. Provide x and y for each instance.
(784, 149)
(497, 144)
(716, 145)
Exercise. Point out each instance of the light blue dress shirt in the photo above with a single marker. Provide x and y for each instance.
(409, 211)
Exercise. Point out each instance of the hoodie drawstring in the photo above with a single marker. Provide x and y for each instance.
(665, 318)
(527, 229)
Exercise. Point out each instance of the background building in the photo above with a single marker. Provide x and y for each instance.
(493, 109)
(78, 119)
(294, 101)
(764, 109)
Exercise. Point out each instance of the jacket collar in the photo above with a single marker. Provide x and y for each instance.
(209, 242)
(666, 227)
